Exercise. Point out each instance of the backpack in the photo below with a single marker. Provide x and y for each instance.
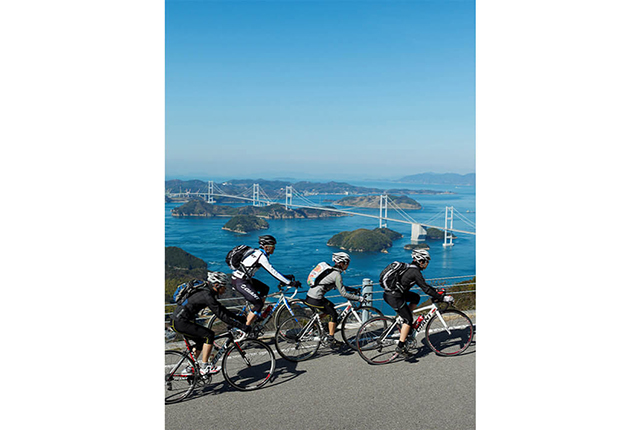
(318, 274)
(185, 290)
(390, 276)
(236, 255)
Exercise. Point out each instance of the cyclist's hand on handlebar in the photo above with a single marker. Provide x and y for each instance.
(296, 284)
(448, 299)
(439, 297)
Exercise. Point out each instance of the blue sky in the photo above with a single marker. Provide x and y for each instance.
(319, 89)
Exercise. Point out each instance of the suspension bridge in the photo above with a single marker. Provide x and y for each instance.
(258, 197)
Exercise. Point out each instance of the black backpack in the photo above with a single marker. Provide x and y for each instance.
(390, 276)
(236, 255)
(185, 290)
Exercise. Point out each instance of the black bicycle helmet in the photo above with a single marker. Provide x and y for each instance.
(266, 240)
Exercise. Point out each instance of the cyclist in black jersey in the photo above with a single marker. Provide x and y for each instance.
(315, 297)
(184, 317)
(398, 299)
(254, 290)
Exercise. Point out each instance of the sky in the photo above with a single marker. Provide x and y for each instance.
(319, 89)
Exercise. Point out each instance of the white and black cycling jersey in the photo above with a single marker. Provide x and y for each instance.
(329, 282)
(254, 261)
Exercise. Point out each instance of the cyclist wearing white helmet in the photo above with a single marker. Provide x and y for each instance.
(254, 290)
(315, 297)
(399, 298)
(183, 319)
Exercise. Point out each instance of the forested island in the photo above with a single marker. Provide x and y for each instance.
(403, 202)
(363, 240)
(196, 208)
(245, 223)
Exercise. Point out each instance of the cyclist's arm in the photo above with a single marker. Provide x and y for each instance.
(264, 262)
(223, 313)
(342, 289)
(414, 275)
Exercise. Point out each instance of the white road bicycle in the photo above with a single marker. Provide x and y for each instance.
(448, 332)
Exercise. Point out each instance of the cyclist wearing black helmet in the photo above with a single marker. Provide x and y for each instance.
(315, 297)
(254, 290)
(183, 319)
(398, 299)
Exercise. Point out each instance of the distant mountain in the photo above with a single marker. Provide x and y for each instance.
(403, 202)
(440, 179)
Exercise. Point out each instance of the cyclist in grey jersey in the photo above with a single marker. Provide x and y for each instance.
(315, 296)
(254, 290)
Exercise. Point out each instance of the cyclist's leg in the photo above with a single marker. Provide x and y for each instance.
(202, 336)
(246, 288)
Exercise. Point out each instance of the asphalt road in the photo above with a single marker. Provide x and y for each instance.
(339, 390)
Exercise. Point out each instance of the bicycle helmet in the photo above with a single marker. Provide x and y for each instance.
(219, 278)
(420, 255)
(267, 240)
(341, 257)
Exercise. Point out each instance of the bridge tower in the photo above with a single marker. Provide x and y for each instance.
(210, 193)
(288, 196)
(256, 194)
(383, 206)
(448, 226)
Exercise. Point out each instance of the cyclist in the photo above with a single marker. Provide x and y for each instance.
(254, 290)
(399, 298)
(184, 316)
(315, 297)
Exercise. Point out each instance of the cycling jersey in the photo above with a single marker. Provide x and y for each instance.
(331, 281)
(200, 300)
(254, 261)
(413, 276)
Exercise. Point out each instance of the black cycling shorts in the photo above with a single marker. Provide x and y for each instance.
(251, 289)
(323, 305)
(399, 304)
(192, 331)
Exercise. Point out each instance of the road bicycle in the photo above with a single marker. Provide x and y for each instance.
(448, 332)
(286, 306)
(299, 337)
(247, 364)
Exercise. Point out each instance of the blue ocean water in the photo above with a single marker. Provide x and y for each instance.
(302, 243)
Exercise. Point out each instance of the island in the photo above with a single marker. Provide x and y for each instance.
(363, 240)
(200, 208)
(412, 246)
(403, 202)
(245, 223)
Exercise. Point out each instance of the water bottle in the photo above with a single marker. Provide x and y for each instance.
(418, 324)
(266, 311)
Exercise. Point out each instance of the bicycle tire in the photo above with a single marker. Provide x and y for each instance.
(249, 367)
(282, 313)
(353, 321)
(371, 347)
(451, 343)
(296, 340)
(176, 385)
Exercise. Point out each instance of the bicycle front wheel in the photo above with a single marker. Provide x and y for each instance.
(451, 337)
(298, 338)
(354, 320)
(178, 376)
(248, 365)
(297, 308)
(377, 340)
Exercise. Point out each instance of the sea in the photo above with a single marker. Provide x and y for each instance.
(302, 243)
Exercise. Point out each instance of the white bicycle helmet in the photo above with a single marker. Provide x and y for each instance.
(219, 278)
(420, 255)
(340, 257)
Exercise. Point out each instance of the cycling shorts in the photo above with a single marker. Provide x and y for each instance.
(399, 304)
(194, 332)
(251, 289)
(323, 305)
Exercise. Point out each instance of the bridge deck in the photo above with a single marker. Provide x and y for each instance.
(341, 391)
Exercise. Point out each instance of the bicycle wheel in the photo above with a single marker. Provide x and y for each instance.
(297, 306)
(178, 383)
(250, 366)
(298, 338)
(377, 339)
(354, 320)
(451, 338)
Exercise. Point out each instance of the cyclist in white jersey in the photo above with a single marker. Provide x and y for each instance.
(254, 290)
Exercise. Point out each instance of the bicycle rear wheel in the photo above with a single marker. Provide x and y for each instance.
(178, 383)
(297, 307)
(298, 338)
(377, 339)
(354, 320)
(451, 338)
(250, 366)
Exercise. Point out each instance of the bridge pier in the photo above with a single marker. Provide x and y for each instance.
(418, 233)
(448, 226)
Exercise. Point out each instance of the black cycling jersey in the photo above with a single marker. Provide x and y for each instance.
(202, 299)
(413, 276)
